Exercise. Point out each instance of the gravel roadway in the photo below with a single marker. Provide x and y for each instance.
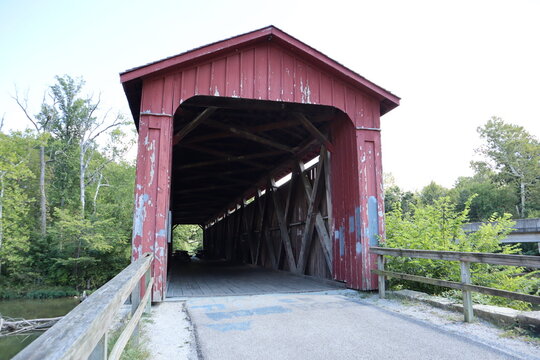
(341, 324)
(337, 325)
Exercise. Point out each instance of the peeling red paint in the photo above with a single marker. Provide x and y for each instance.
(279, 68)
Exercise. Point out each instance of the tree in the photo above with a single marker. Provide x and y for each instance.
(432, 192)
(491, 197)
(187, 238)
(515, 155)
(14, 202)
(76, 125)
(439, 226)
(41, 123)
(395, 197)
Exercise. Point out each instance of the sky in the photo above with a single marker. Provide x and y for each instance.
(455, 64)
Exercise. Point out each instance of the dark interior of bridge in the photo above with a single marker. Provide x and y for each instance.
(235, 147)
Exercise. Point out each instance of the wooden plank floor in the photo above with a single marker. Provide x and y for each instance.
(200, 278)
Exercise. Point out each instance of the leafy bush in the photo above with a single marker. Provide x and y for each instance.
(439, 227)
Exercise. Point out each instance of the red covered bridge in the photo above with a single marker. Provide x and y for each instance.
(221, 130)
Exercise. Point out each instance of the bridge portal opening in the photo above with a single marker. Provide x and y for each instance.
(254, 175)
(220, 125)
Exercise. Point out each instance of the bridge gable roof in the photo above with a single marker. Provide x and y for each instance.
(132, 78)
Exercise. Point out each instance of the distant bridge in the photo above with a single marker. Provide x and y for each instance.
(525, 231)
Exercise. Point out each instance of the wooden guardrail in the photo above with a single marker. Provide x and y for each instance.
(465, 258)
(82, 333)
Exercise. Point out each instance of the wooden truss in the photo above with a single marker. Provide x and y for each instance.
(285, 228)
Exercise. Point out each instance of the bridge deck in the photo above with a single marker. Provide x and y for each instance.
(200, 278)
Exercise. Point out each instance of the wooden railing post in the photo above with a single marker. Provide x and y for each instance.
(382, 278)
(100, 351)
(147, 278)
(467, 295)
(135, 301)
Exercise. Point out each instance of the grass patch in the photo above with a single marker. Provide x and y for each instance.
(134, 350)
(516, 332)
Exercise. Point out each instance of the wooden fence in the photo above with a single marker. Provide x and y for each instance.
(82, 333)
(465, 258)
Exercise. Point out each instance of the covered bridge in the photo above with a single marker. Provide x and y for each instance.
(271, 146)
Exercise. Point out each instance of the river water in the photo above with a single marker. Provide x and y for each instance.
(30, 309)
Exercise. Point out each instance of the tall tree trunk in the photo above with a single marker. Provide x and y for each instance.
(98, 186)
(82, 175)
(522, 198)
(43, 199)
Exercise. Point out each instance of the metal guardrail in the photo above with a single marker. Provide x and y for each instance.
(465, 258)
(82, 333)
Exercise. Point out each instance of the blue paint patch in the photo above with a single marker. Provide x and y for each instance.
(238, 326)
(217, 316)
(358, 223)
(358, 248)
(341, 241)
(209, 307)
(373, 221)
(287, 300)
(161, 233)
(351, 224)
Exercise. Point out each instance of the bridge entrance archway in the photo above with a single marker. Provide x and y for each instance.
(220, 130)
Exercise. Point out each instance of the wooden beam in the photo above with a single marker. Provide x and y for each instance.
(324, 237)
(328, 188)
(287, 163)
(290, 196)
(313, 203)
(205, 188)
(197, 174)
(250, 136)
(314, 131)
(485, 258)
(462, 286)
(193, 124)
(248, 226)
(254, 226)
(262, 221)
(224, 155)
(283, 230)
(253, 129)
(229, 159)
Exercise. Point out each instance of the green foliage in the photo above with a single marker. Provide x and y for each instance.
(514, 155)
(490, 198)
(77, 252)
(8, 293)
(431, 193)
(188, 238)
(395, 197)
(134, 350)
(439, 227)
(15, 176)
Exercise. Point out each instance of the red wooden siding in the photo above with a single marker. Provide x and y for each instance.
(267, 72)
(277, 69)
(152, 191)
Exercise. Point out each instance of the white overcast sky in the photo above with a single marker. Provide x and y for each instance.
(454, 63)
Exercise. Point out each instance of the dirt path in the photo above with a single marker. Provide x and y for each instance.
(169, 332)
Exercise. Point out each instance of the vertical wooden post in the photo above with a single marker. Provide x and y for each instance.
(100, 351)
(467, 295)
(147, 277)
(382, 278)
(135, 301)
